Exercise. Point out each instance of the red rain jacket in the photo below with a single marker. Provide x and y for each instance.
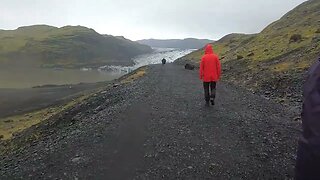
(210, 67)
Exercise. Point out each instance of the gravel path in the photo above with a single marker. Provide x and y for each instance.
(158, 128)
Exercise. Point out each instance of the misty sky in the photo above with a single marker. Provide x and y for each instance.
(141, 19)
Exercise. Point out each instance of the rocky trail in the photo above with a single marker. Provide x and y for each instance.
(157, 127)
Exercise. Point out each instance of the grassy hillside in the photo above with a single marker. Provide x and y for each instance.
(275, 60)
(189, 43)
(69, 46)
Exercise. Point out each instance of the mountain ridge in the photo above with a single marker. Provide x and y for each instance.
(68, 46)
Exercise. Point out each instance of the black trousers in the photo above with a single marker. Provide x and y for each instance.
(308, 162)
(209, 90)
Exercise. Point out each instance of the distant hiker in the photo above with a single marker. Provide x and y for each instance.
(210, 72)
(164, 61)
(308, 158)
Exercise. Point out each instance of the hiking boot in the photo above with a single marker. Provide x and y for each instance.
(212, 101)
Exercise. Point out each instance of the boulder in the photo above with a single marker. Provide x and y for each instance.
(239, 57)
(295, 38)
(189, 66)
(250, 54)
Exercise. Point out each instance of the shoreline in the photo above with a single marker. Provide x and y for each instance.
(15, 122)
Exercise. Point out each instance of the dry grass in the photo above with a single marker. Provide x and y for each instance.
(282, 67)
(287, 66)
(136, 75)
(15, 124)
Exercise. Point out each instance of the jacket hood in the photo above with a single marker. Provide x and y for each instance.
(208, 49)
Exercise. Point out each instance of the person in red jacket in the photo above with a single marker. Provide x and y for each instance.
(210, 72)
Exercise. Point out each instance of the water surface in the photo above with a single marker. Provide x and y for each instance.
(30, 77)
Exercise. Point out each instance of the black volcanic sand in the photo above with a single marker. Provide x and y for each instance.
(157, 127)
(20, 101)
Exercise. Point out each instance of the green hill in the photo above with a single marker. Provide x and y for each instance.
(69, 46)
(276, 59)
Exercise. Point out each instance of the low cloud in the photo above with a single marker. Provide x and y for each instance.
(149, 19)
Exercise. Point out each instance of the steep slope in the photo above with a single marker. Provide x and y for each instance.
(69, 46)
(189, 43)
(275, 60)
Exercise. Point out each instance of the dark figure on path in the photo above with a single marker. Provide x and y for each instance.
(163, 61)
(308, 158)
(210, 72)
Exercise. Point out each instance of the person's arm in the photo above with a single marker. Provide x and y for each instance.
(201, 69)
(219, 68)
(308, 156)
(311, 110)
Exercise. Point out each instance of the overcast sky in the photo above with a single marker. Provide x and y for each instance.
(140, 19)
